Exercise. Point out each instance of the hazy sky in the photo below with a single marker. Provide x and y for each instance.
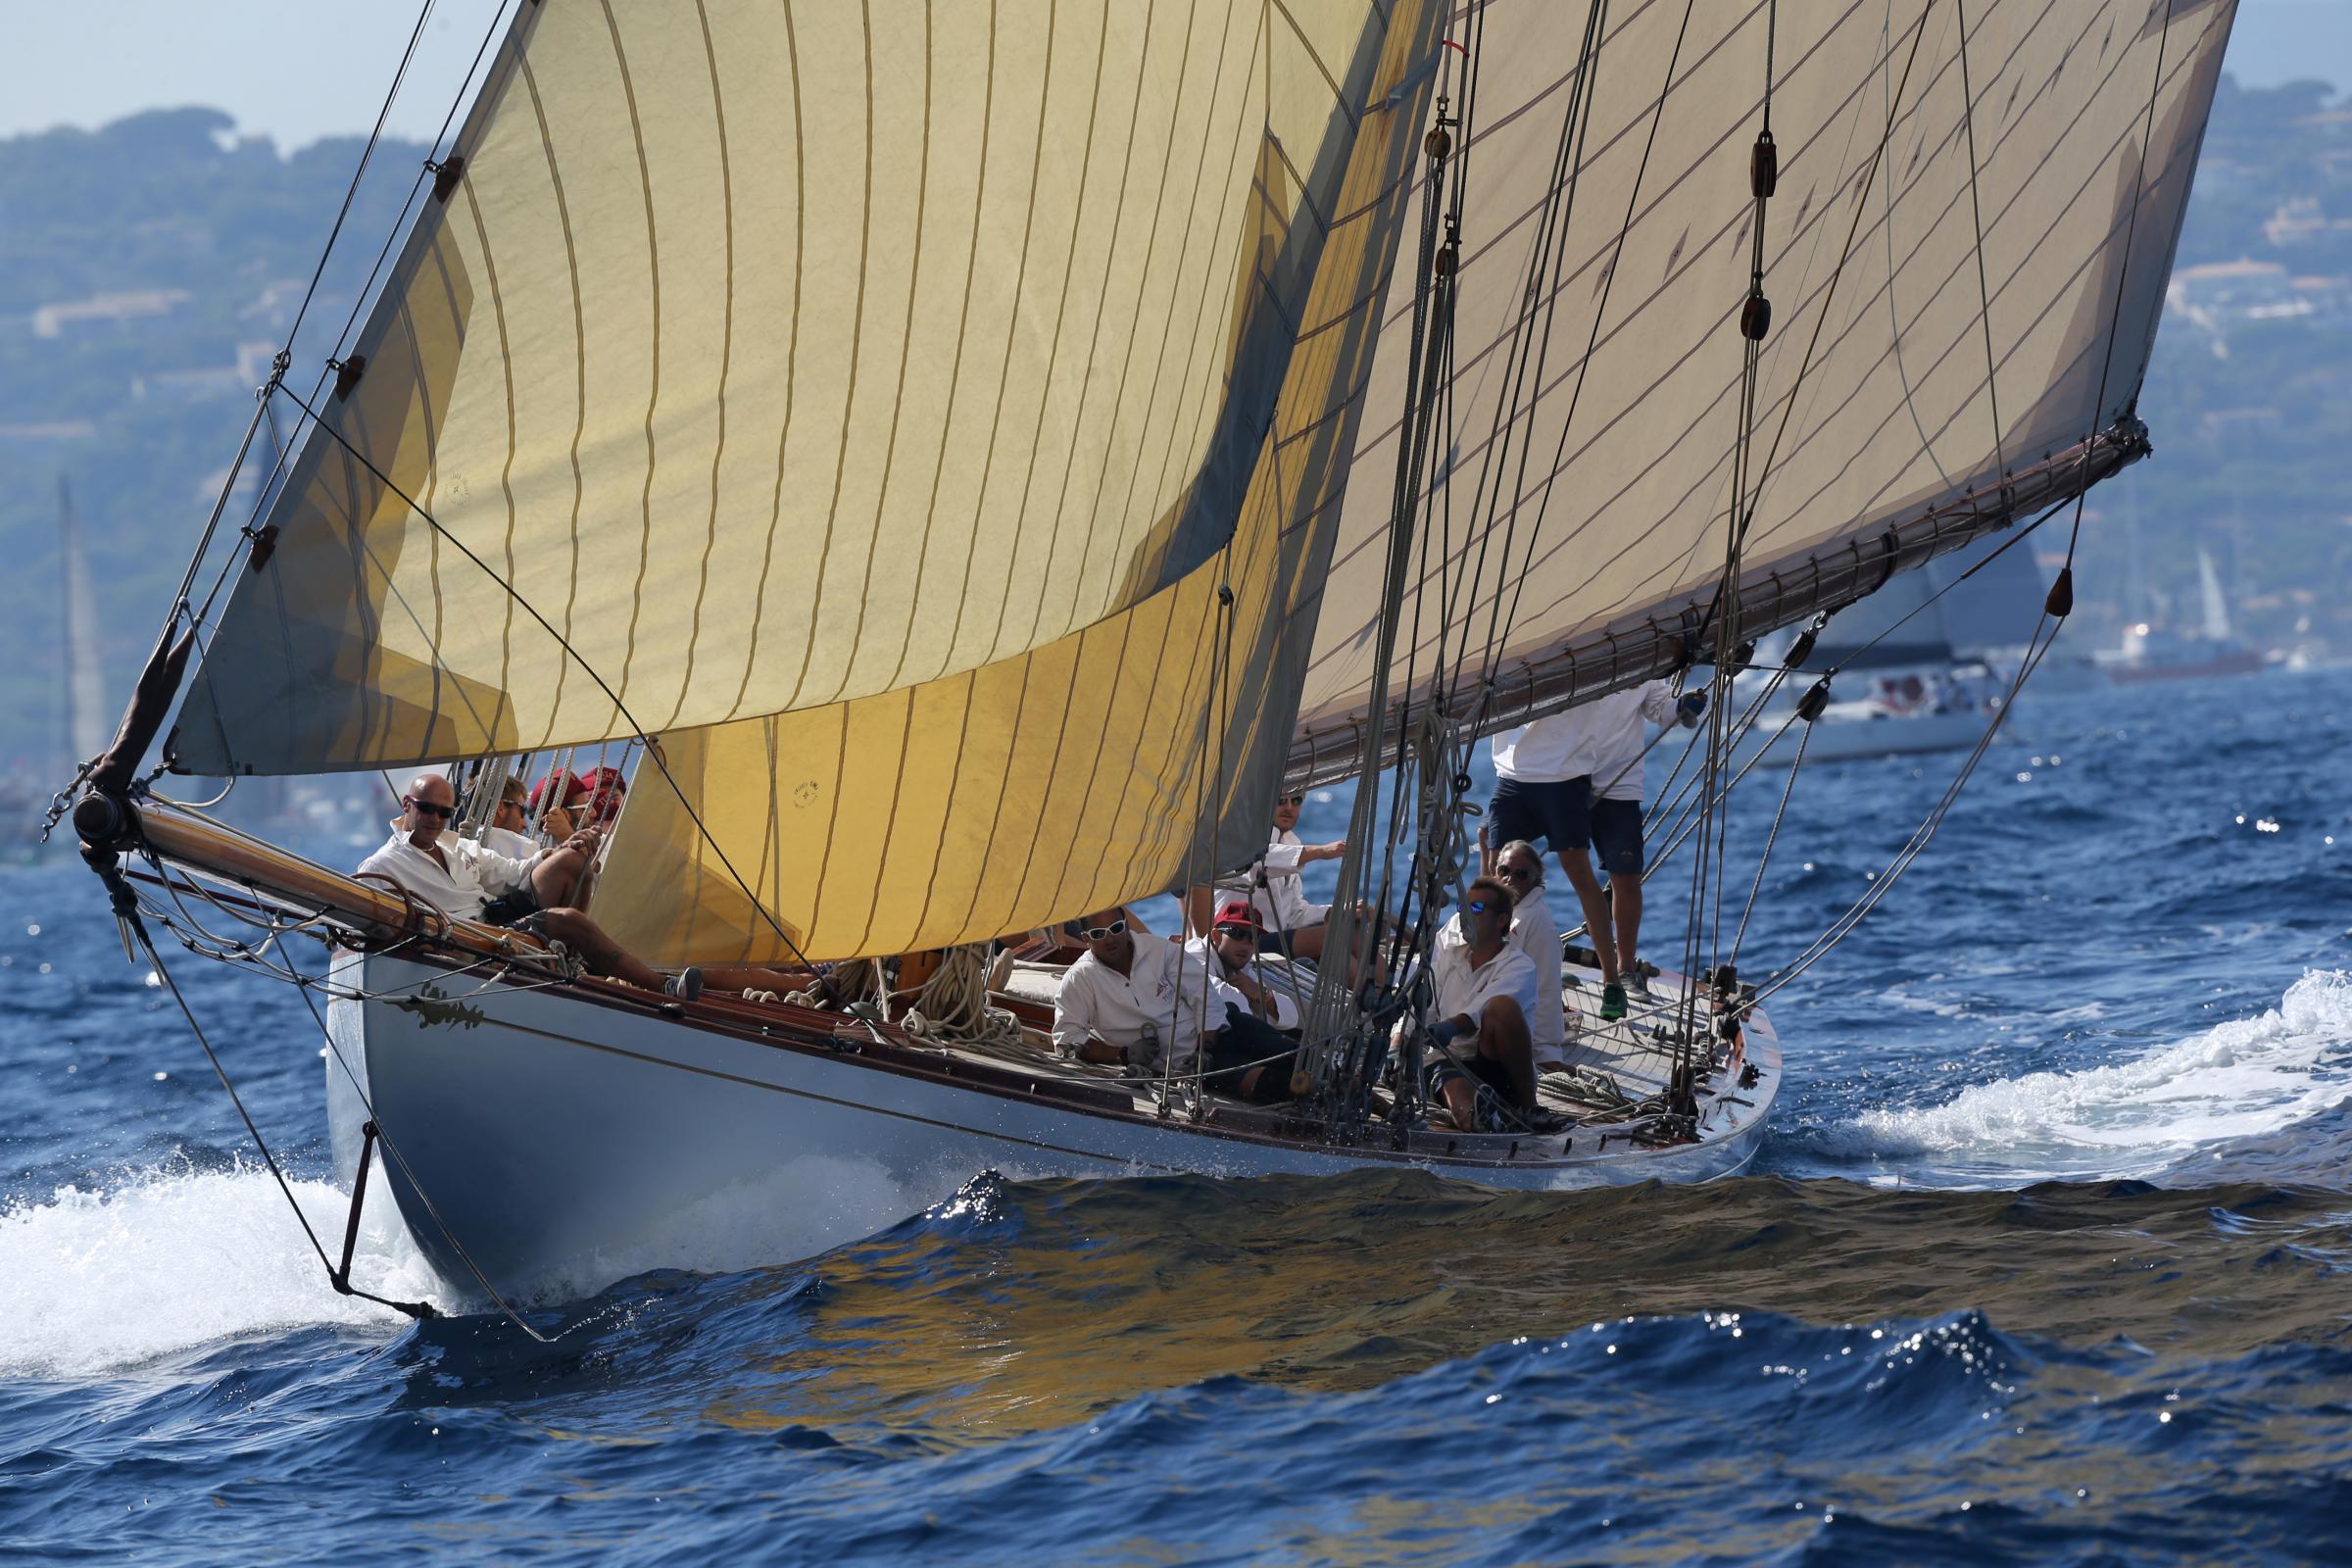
(298, 70)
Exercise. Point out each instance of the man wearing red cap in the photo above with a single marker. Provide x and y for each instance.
(1231, 950)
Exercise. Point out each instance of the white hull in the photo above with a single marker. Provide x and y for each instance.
(568, 1140)
(1836, 738)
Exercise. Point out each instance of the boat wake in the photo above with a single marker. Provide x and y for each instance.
(95, 1283)
(2179, 1110)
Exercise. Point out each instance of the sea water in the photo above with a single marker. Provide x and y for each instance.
(2045, 1261)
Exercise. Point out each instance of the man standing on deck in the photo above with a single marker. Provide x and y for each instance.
(459, 877)
(1575, 781)
(1153, 1007)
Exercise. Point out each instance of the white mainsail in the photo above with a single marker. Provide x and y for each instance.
(1615, 466)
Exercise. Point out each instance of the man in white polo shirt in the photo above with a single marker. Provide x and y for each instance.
(459, 877)
(1486, 992)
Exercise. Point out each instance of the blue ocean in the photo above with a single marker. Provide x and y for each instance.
(2047, 1259)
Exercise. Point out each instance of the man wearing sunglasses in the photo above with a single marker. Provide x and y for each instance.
(460, 877)
(1485, 991)
(1150, 1006)
(1231, 950)
(1534, 932)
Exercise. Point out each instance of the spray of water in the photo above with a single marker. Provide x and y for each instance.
(107, 1282)
(2238, 1080)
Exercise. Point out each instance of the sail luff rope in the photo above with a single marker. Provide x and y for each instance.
(499, 23)
(2114, 317)
(352, 190)
(1433, 292)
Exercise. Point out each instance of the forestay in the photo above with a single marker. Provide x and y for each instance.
(1582, 520)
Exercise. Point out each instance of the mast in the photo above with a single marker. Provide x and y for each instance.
(84, 691)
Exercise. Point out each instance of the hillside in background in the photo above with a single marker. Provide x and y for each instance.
(149, 270)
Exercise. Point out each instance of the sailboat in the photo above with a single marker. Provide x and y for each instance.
(81, 688)
(960, 472)
(1903, 685)
(2155, 653)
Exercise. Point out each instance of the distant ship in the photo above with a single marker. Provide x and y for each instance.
(2154, 653)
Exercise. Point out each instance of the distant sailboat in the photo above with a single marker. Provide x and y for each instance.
(964, 470)
(2155, 653)
(1903, 682)
(86, 712)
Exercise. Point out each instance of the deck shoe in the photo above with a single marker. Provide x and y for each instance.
(1612, 1001)
(685, 985)
(1636, 984)
(1544, 1119)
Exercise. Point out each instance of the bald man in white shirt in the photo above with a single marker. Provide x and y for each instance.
(459, 877)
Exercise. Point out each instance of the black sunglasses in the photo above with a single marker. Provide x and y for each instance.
(1097, 933)
(429, 809)
(1246, 933)
(1291, 800)
(1516, 874)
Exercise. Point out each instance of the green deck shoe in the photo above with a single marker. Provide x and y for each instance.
(1612, 1001)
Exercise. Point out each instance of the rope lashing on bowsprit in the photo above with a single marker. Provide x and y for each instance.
(133, 929)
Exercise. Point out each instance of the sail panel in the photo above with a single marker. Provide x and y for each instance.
(1123, 757)
(779, 355)
(1876, 411)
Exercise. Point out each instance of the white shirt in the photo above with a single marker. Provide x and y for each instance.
(1157, 1001)
(1602, 741)
(1537, 934)
(509, 843)
(1277, 980)
(1274, 886)
(1466, 988)
(474, 876)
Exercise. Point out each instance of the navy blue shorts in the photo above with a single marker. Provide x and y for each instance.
(1558, 811)
(1617, 836)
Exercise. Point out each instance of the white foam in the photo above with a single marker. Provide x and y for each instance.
(95, 1283)
(2235, 1080)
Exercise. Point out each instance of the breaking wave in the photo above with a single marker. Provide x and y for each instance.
(93, 1283)
(2240, 1080)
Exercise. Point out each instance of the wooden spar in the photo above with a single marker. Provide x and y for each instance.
(214, 850)
(201, 847)
(1664, 638)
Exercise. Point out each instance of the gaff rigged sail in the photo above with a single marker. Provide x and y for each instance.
(1578, 527)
